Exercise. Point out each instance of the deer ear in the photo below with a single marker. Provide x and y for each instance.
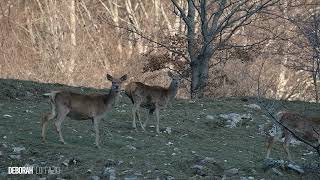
(124, 77)
(109, 77)
(170, 74)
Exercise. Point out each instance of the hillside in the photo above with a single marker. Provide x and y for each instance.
(194, 142)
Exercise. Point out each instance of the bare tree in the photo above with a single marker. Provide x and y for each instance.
(218, 22)
(310, 29)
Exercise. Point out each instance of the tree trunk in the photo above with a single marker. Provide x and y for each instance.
(73, 40)
(314, 76)
(199, 76)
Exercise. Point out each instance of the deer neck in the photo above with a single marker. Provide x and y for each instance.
(172, 90)
(109, 98)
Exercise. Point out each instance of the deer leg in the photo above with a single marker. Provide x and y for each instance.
(45, 120)
(148, 117)
(286, 143)
(139, 118)
(134, 109)
(61, 117)
(270, 142)
(96, 128)
(157, 116)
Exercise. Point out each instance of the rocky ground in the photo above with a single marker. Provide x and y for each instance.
(205, 139)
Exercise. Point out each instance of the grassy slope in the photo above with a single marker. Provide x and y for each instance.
(194, 137)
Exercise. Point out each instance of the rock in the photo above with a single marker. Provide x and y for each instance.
(169, 143)
(74, 161)
(168, 130)
(43, 178)
(138, 174)
(94, 178)
(1, 154)
(15, 156)
(198, 170)
(253, 171)
(109, 172)
(169, 178)
(210, 117)
(247, 178)
(277, 172)
(126, 172)
(110, 163)
(131, 147)
(5, 146)
(89, 171)
(197, 167)
(296, 168)
(253, 106)
(18, 149)
(208, 160)
(65, 162)
(232, 171)
(120, 162)
(131, 178)
(233, 118)
(306, 154)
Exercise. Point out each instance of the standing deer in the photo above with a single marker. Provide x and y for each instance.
(80, 107)
(308, 128)
(153, 98)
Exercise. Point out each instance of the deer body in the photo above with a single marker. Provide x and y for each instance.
(305, 127)
(80, 107)
(152, 98)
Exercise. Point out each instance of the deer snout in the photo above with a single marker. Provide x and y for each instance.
(116, 88)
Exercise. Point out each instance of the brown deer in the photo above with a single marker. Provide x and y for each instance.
(153, 98)
(80, 107)
(307, 128)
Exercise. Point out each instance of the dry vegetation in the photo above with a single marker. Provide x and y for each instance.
(78, 42)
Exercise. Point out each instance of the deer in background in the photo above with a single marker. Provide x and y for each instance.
(307, 128)
(152, 98)
(80, 107)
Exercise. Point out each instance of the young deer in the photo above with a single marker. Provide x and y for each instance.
(152, 98)
(80, 107)
(307, 128)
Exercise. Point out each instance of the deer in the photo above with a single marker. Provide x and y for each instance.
(80, 107)
(152, 98)
(307, 128)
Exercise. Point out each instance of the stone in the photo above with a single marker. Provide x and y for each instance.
(208, 160)
(131, 147)
(296, 168)
(110, 163)
(247, 178)
(131, 178)
(253, 106)
(169, 178)
(233, 119)
(15, 156)
(169, 130)
(210, 117)
(18, 150)
(109, 172)
(232, 171)
(277, 172)
(94, 178)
